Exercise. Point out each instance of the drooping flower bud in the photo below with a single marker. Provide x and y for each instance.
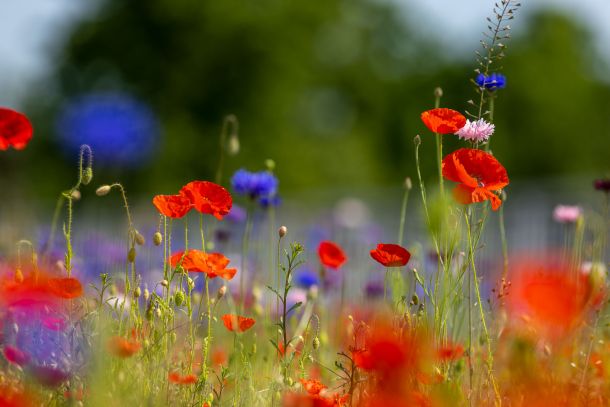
(233, 145)
(75, 195)
(221, 292)
(282, 231)
(139, 238)
(137, 292)
(103, 190)
(157, 238)
(87, 176)
(131, 255)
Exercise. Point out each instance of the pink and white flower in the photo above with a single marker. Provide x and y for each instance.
(476, 131)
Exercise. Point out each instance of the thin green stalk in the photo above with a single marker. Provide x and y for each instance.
(403, 211)
(244, 254)
(481, 311)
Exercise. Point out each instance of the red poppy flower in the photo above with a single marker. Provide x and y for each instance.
(331, 255)
(67, 288)
(237, 323)
(478, 174)
(15, 130)
(175, 377)
(213, 264)
(16, 356)
(450, 352)
(443, 121)
(391, 255)
(172, 206)
(208, 197)
(122, 347)
(312, 386)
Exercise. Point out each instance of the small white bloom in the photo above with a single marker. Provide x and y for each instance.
(478, 131)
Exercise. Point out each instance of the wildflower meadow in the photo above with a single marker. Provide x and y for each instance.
(208, 295)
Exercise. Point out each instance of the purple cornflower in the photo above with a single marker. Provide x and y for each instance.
(255, 185)
(491, 82)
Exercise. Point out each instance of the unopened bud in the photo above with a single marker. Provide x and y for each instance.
(146, 294)
(438, 92)
(139, 238)
(221, 292)
(270, 164)
(137, 292)
(179, 298)
(157, 239)
(316, 343)
(282, 231)
(131, 255)
(408, 184)
(233, 146)
(75, 195)
(164, 283)
(103, 190)
(87, 176)
(158, 312)
(417, 140)
(190, 283)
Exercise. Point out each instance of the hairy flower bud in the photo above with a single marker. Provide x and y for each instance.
(157, 238)
(164, 283)
(221, 292)
(233, 145)
(103, 190)
(179, 298)
(282, 231)
(408, 184)
(131, 255)
(146, 294)
(75, 195)
(139, 239)
(137, 292)
(316, 343)
(438, 92)
(87, 176)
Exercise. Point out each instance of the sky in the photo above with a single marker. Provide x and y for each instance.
(31, 29)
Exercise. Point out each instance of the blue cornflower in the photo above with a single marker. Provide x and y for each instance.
(267, 201)
(121, 130)
(491, 82)
(307, 278)
(254, 184)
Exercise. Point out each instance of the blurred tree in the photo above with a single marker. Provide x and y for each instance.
(332, 91)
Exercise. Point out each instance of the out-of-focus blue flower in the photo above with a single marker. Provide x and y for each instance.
(270, 201)
(121, 130)
(374, 289)
(254, 184)
(491, 82)
(307, 278)
(237, 214)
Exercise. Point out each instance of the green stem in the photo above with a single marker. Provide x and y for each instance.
(244, 254)
(403, 214)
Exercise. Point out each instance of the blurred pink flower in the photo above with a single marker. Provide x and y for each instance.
(567, 213)
(477, 131)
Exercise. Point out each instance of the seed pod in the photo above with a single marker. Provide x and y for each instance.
(103, 190)
(157, 238)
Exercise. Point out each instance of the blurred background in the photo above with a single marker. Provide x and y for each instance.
(331, 90)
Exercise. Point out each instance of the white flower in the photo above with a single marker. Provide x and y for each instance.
(478, 131)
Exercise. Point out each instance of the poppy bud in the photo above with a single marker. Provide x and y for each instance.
(288, 381)
(282, 231)
(417, 140)
(415, 299)
(190, 283)
(316, 343)
(438, 92)
(158, 312)
(103, 190)
(270, 164)
(75, 195)
(157, 238)
(86, 176)
(137, 292)
(408, 184)
(221, 292)
(233, 146)
(18, 276)
(146, 294)
(131, 255)
(179, 298)
(139, 238)
(164, 283)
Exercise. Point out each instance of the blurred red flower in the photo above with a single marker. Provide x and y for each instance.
(122, 347)
(15, 129)
(175, 377)
(172, 206)
(237, 323)
(391, 255)
(213, 264)
(443, 120)
(16, 356)
(450, 352)
(312, 386)
(478, 174)
(67, 287)
(208, 197)
(331, 255)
